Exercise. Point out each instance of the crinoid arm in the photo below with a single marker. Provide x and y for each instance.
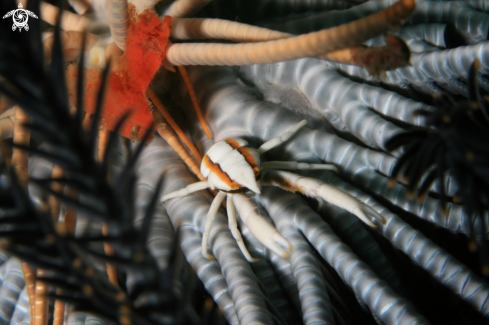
(312, 187)
(262, 229)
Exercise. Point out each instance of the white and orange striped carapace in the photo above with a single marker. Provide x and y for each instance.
(233, 168)
(229, 165)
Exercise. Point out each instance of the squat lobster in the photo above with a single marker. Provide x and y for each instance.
(233, 168)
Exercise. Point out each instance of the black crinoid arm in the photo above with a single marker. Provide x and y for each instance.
(455, 140)
(71, 266)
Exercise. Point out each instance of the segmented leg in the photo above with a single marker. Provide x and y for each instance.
(22, 137)
(186, 190)
(312, 187)
(295, 165)
(167, 133)
(103, 138)
(42, 304)
(193, 97)
(54, 204)
(281, 139)
(108, 250)
(159, 105)
(59, 311)
(30, 282)
(263, 230)
(233, 226)
(211, 214)
(19, 163)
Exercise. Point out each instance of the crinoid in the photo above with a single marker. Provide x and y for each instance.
(455, 139)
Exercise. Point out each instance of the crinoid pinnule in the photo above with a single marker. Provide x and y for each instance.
(455, 140)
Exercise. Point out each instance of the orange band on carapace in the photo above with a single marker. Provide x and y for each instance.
(233, 143)
(216, 169)
(250, 160)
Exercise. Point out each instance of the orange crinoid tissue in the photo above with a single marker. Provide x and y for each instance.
(145, 51)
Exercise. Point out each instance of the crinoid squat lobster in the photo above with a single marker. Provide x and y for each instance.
(235, 169)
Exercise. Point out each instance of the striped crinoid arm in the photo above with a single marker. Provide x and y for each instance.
(19, 164)
(183, 8)
(308, 45)
(118, 21)
(22, 138)
(393, 55)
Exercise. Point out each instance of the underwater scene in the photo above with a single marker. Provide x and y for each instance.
(244, 162)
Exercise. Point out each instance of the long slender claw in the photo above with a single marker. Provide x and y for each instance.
(260, 227)
(279, 239)
(313, 187)
(209, 256)
(368, 215)
(278, 244)
(233, 226)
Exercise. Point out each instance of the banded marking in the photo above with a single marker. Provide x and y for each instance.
(216, 169)
(233, 143)
(246, 155)
(250, 160)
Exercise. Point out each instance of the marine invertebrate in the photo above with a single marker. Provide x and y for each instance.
(234, 169)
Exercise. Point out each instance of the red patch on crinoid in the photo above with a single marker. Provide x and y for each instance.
(145, 51)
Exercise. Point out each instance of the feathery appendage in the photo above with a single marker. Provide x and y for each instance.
(159, 295)
(454, 140)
